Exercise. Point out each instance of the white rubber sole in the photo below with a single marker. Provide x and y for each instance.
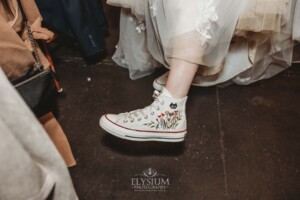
(135, 135)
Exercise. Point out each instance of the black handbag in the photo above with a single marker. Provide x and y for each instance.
(36, 87)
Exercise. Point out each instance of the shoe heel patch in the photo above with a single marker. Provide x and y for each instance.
(173, 105)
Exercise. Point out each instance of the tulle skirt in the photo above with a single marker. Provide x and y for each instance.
(241, 41)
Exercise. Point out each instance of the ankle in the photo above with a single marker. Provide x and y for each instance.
(174, 94)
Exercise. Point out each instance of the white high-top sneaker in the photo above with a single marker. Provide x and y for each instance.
(164, 120)
(160, 82)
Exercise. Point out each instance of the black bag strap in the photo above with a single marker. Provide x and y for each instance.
(39, 65)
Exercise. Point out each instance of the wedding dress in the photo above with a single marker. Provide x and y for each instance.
(233, 40)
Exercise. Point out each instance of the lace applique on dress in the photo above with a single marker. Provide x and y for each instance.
(208, 15)
(153, 7)
(141, 27)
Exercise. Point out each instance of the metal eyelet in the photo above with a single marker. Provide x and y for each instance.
(132, 120)
(125, 121)
(152, 113)
(146, 117)
(158, 108)
(139, 119)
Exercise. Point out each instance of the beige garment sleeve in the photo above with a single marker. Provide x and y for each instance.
(15, 54)
(15, 57)
(31, 10)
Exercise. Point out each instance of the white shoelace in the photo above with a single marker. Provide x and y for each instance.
(141, 112)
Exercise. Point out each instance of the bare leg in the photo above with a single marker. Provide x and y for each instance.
(165, 119)
(180, 77)
(58, 137)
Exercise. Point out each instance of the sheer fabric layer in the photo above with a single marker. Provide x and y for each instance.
(201, 32)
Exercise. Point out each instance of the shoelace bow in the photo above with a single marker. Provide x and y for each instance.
(141, 112)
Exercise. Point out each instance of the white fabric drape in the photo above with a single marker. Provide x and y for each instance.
(201, 32)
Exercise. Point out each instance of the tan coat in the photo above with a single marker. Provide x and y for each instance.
(15, 50)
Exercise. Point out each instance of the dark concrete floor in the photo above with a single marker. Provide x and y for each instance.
(243, 141)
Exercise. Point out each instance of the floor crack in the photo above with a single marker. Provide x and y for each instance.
(222, 143)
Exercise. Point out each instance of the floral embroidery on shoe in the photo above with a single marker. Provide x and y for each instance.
(207, 17)
(167, 120)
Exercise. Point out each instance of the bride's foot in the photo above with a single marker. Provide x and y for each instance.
(164, 120)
